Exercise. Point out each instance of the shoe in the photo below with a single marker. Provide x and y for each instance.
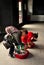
(12, 56)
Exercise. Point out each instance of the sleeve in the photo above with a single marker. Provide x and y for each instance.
(5, 37)
(29, 39)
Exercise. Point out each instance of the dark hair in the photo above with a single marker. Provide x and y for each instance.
(24, 30)
(36, 35)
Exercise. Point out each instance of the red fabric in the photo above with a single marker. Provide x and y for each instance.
(24, 39)
(33, 45)
(30, 35)
(27, 38)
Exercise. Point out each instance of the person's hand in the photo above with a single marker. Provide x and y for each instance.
(32, 38)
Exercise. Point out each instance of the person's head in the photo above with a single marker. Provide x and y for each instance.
(10, 29)
(24, 31)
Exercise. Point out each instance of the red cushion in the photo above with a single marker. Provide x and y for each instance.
(22, 56)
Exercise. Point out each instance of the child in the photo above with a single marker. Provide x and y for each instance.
(16, 34)
(9, 43)
(27, 38)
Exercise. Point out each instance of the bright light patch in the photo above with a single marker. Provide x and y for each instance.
(19, 6)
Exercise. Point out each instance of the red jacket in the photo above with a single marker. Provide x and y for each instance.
(27, 38)
(30, 36)
(24, 39)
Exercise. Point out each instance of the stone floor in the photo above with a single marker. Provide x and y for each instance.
(36, 56)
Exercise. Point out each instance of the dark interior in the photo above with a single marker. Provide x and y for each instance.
(9, 14)
(38, 7)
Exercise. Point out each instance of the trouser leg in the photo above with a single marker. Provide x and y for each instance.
(11, 50)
